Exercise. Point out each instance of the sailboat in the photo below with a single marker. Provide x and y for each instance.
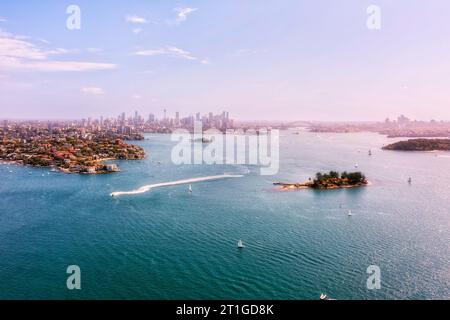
(409, 180)
(370, 152)
(356, 165)
(240, 244)
(190, 188)
(350, 213)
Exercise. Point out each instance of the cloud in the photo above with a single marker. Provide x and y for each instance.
(248, 52)
(93, 90)
(3, 19)
(182, 14)
(168, 51)
(136, 19)
(137, 30)
(136, 96)
(44, 41)
(17, 53)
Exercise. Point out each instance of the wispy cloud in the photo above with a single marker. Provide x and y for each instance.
(183, 13)
(171, 51)
(18, 53)
(136, 96)
(137, 30)
(93, 90)
(168, 51)
(136, 19)
(3, 19)
(44, 41)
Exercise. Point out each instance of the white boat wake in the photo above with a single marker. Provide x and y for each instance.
(173, 183)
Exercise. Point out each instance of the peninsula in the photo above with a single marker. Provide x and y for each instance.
(331, 180)
(69, 150)
(420, 145)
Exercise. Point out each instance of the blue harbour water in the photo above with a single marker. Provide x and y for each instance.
(169, 244)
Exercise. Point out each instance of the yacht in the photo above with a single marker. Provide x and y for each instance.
(190, 188)
(240, 244)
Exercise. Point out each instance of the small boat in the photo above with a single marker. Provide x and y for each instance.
(190, 188)
(240, 244)
(350, 213)
(409, 180)
(356, 165)
(325, 297)
(370, 152)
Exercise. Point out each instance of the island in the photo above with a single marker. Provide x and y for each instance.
(331, 180)
(68, 150)
(420, 145)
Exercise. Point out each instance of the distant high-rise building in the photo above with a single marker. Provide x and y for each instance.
(402, 120)
(177, 118)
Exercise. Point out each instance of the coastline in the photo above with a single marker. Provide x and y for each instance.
(62, 170)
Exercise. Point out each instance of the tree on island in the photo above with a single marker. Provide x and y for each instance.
(333, 178)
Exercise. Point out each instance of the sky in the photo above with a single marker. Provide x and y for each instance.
(258, 60)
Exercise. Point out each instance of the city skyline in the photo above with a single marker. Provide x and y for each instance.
(272, 61)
